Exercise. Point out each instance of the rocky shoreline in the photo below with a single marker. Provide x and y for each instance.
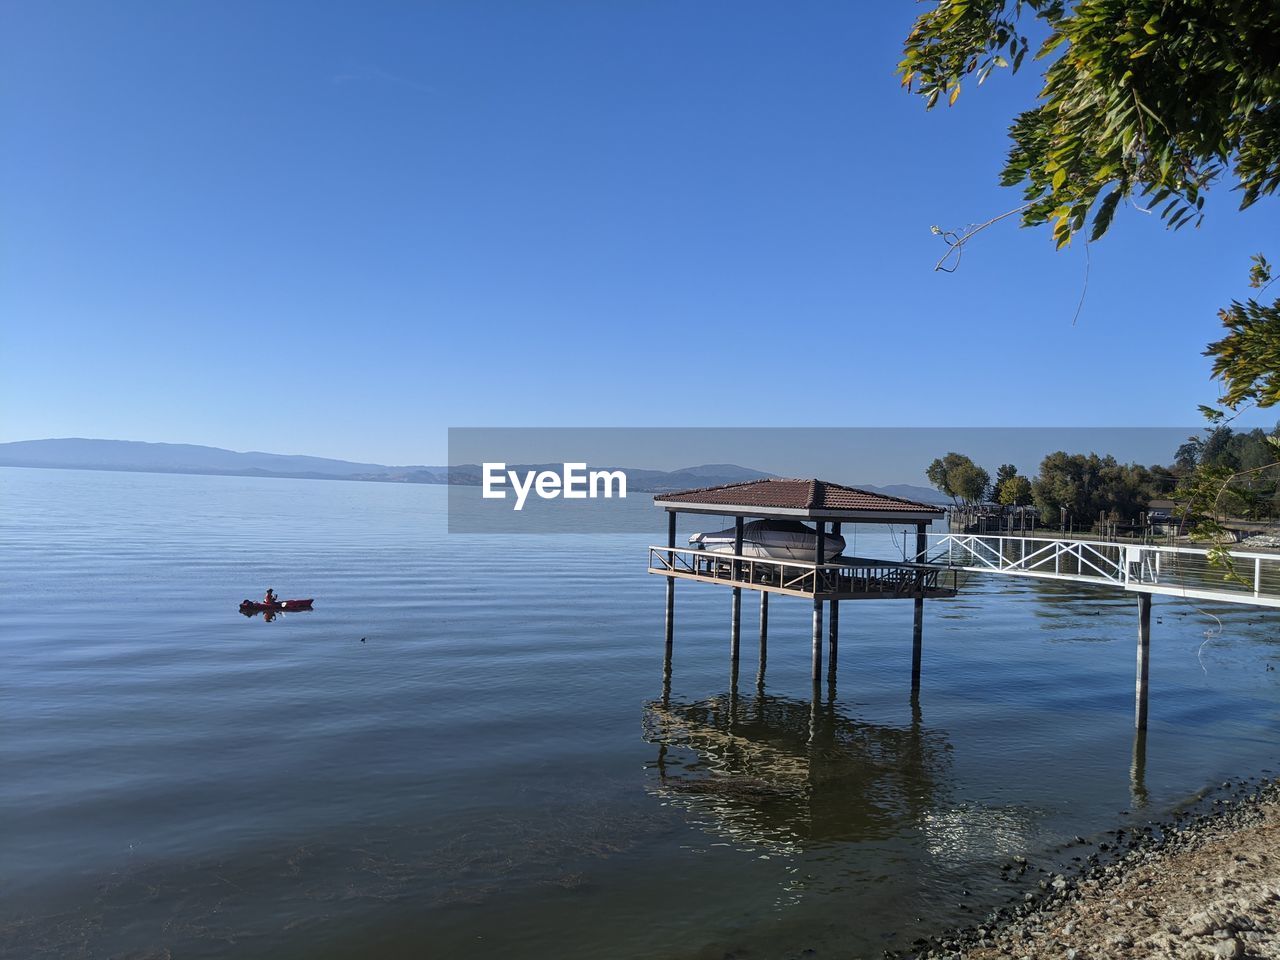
(1204, 885)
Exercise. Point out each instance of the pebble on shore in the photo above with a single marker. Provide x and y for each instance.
(1204, 890)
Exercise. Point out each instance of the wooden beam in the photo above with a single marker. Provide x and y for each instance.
(801, 513)
(807, 594)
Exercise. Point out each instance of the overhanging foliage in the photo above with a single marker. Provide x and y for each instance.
(1145, 99)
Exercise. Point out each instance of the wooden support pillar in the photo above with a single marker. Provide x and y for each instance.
(917, 641)
(735, 625)
(820, 554)
(917, 626)
(671, 599)
(833, 625)
(833, 640)
(1144, 659)
(817, 640)
(764, 636)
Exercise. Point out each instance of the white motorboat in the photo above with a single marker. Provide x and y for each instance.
(776, 539)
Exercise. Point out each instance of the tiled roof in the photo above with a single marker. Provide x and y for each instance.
(779, 494)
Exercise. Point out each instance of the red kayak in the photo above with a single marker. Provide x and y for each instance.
(257, 606)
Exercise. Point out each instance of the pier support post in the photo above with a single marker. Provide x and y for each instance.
(1138, 771)
(669, 644)
(671, 599)
(764, 636)
(817, 640)
(1144, 659)
(917, 625)
(833, 624)
(735, 625)
(917, 641)
(833, 640)
(819, 555)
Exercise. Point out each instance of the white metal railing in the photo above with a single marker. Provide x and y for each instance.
(1179, 571)
(844, 575)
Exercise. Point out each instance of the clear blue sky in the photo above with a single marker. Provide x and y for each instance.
(340, 228)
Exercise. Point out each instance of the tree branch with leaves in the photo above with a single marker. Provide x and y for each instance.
(1142, 99)
(1247, 363)
(1146, 102)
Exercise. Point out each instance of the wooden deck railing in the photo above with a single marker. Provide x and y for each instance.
(845, 576)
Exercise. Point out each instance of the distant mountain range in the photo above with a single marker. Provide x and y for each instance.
(137, 456)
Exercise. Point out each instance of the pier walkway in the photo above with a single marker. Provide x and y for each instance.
(1187, 572)
(1145, 570)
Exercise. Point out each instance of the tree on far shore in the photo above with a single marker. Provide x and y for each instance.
(1011, 488)
(1015, 491)
(959, 478)
(1090, 486)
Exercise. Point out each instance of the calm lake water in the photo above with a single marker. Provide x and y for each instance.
(495, 770)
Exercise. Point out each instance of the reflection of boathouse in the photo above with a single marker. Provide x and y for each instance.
(779, 771)
(784, 550)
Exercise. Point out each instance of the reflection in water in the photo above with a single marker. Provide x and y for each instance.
(1138, 770)
(781, 774)
(269, 615)
(969, 833)
(1064, 608)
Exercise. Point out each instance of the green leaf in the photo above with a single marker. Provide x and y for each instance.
(1106, 210)
(1055, 40)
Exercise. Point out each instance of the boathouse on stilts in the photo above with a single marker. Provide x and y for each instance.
(813, 575)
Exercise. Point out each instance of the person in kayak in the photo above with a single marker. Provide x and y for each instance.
(270, 598)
